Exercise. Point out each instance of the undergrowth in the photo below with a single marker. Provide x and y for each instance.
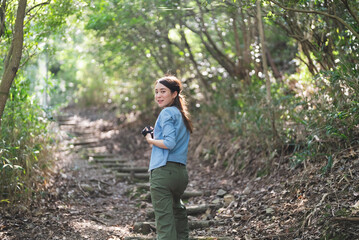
(308, 121)
(24, 146)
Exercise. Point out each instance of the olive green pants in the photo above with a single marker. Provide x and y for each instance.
(168, 183)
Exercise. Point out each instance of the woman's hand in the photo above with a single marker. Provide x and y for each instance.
(148, 136)
(157, 143)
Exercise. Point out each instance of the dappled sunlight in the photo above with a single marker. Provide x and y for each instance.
(90, 229)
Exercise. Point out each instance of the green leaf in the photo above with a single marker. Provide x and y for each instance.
(4, 201)
(329, 165)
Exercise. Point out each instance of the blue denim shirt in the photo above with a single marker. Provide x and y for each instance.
(170, 128)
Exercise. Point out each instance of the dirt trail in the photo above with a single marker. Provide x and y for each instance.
(109, 177)
(99, 190)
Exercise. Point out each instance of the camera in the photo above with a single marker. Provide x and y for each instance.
(147, 129)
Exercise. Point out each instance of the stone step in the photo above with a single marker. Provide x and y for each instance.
(85, 142)
(141, 176)
(67, 123)
(63, 117)
(191, 210)
(133, 169)
(148, 227)
(109, 161)
(187, 194)
(103, 156)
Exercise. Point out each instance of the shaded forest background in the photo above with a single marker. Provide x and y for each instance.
(268, 82)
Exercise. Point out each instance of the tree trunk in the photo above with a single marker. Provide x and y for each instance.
(13, 57)
(237, 44)
(2, 17)
(247, 46)
(242, 66)
(265, 69)
(263, 48)
(274, 68)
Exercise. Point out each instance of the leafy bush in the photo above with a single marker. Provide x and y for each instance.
(23, 145)
(311, 118)
(328, 116)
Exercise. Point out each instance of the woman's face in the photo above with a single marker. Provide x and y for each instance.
(163, 95)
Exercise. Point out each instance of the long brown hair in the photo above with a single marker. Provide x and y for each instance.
(175, 85)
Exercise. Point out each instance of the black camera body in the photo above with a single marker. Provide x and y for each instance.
(146, 130)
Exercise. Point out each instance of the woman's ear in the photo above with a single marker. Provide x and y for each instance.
(174, 94)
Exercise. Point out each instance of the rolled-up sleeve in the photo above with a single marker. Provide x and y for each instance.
(169, 131)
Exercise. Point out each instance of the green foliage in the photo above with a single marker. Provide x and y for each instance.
(92, 90)
(114, 51)
(329, 116)
(23, 145)
(329, 165)
(309, 117)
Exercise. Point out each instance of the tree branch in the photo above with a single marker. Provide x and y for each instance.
(355, 16)
(194, 62)
(28, 58)
(320, 13)
(350, 219)
(37, 5)
(219, 33)
(229, 67)
(213, 48)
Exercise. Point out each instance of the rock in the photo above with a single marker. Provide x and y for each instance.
(207, 157)
(144, 227)
(246, 191)
(228, 199)
(237, 217)
(87, 188)
(269, 211)
(247, 237)
(221, 193)
(216, 201)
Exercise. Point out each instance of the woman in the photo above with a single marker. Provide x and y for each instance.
(168, 173)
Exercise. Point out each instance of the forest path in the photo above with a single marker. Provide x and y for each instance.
(106, 192)
(99, 190)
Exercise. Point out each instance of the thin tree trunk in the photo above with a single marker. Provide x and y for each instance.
(2, 17)
(247, 43)
(241, 67)
(14, 56)
(265, 69)
(237, 43)
(263, 48)
(219, 33)
(275, 70)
